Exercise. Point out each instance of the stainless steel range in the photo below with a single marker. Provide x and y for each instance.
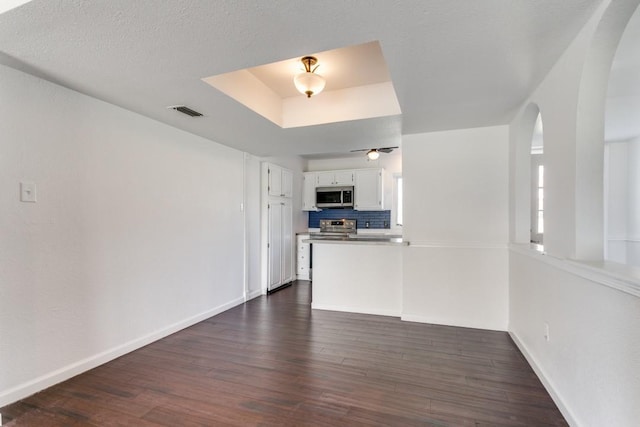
(335, 228)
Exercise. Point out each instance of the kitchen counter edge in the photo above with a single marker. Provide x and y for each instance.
(348, 241)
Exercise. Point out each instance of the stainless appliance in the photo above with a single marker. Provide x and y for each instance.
(335, 229)
(334, 197)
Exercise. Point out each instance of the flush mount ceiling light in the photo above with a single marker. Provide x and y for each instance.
(309, 83)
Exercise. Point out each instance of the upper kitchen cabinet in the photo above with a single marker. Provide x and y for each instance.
(280, 181)
(329, 178)
(370, 188)
(309, 191)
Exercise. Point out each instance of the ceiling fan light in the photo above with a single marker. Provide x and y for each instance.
(309, 83)
(373, 154)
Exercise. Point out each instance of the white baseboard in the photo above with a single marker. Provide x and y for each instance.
(42, 382)
(566, 412)
(254, 294)
(450, 322)
(392, 313)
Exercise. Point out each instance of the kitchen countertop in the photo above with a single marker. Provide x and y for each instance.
(363, 239)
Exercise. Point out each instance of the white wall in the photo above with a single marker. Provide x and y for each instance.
(623, 202)
(391, 162)
(592, 359)
(137, 232)
(591, 362)
(456, 220)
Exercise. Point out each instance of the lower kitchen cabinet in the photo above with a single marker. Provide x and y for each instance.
(303, 258)
(280, 243)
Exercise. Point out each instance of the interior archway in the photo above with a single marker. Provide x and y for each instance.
(622, 150)
(523, 140)
(537, 184)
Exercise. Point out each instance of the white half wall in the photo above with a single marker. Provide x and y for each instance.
(358, 278)
(455, 271)
(591, 362)
(137, 232)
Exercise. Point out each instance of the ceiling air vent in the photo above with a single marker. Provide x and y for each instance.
(185, 110)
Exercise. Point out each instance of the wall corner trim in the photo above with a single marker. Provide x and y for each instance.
(254, 294)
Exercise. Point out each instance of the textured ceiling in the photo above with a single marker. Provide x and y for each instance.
(453, 63)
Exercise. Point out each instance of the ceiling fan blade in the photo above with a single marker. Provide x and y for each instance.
(364, 149)
(386, 149)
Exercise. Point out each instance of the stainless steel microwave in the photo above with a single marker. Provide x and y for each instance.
(334, 197)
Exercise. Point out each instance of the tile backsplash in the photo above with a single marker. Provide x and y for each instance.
(376, 219)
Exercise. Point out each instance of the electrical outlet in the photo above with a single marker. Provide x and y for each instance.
(546, 332)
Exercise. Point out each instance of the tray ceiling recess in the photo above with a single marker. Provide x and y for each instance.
(358, 86)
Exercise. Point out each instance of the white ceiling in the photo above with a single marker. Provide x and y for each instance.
(453, 63)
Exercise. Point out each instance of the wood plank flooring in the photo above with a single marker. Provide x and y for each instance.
(275, 362)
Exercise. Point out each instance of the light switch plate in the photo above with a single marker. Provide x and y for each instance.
(28, 192)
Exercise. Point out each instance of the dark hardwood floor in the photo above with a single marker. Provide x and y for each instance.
(274, 362)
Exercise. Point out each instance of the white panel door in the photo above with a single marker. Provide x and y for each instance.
(275, 245)
(287, 242)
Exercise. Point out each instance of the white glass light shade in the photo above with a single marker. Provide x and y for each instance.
(309, 83)
(373, 154)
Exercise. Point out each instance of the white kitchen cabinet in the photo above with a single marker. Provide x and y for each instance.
(337, 178)
(280, 243)
(370, 188)
(309, 191)
(280, 181)
(303, 257)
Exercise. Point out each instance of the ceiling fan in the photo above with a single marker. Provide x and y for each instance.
(374, 153)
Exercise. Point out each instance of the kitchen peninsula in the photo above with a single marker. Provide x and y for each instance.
(358, 273)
